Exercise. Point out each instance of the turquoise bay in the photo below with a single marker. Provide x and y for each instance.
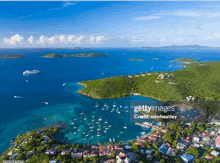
(18, 115)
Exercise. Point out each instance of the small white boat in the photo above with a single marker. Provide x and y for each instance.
(121, 106)
(114, 105)
(46, 103)
(99, 129)
(100, 119)
(119, 112)
(78, 130)
(85, 118)
(26, 81)
(75, 133)
(110, 126)
(121, 132)
(64, 84)
(125, 127)
(97, 105)
(103, 73)
(98, 134)
(91, 136)
(87, 135)
(105, 105)
(82, 113)
(103, 108)
(142, 133)
(106, 121)
(151, 68)
(72, 123)
(111, 111)
(74, 127)
(105, 131)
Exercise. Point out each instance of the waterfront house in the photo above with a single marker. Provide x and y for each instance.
(186, 158)
(215, 153)
(217, 142)
(196, 139)
(122, 158)
(181, 146)
(127, 147)
(10, 153)
(76, 155)
(163, 148)
(209, 157)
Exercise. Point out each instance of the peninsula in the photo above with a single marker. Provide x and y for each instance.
(56, 55)
(199, 82)
(187, 62)
(136, 59)
(12, 56)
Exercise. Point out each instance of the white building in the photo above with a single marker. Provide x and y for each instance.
(215, 153)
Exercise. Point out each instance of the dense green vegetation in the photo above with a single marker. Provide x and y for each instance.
(12, 56)
(201, 82)
(56, 55)
(136, 59)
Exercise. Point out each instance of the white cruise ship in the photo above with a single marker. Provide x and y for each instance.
(31, 72)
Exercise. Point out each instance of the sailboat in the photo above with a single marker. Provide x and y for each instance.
(99, 128)
(110, 140)
(103, 108)
(125, 127)
(105, 131)
(64, 84)
(91, 127)
(97, 105)
(106, 121)
(152, 68)
(100, 119)
(119, 112)
(82, 113)
(103, 73)
(85, 118)
(121, 106)
(105, 105)
(126, 107)
(170, 65)
(98, 134)
(114, 104)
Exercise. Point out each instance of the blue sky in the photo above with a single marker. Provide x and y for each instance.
(108, 24)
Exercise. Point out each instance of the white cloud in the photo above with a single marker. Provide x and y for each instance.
(162, 39)
(177, 40)
(31, 39)
(95, 40)
(14, 39)
(209, 38)
(147, 18)
(66, 4)
(60, 39)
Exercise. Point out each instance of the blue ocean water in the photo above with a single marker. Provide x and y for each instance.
(18, 115)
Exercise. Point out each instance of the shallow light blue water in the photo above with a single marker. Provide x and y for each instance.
(18, 115)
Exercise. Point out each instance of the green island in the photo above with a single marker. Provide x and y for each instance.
(200, 82)
(56, 55)
(187, 62)
(136, 59)
(12, 56)
(155, 58)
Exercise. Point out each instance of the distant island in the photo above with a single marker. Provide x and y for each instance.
(182, 47)
(56, 55)
(155, 58)
(201, 81)
(12, 56)
(136, 59)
